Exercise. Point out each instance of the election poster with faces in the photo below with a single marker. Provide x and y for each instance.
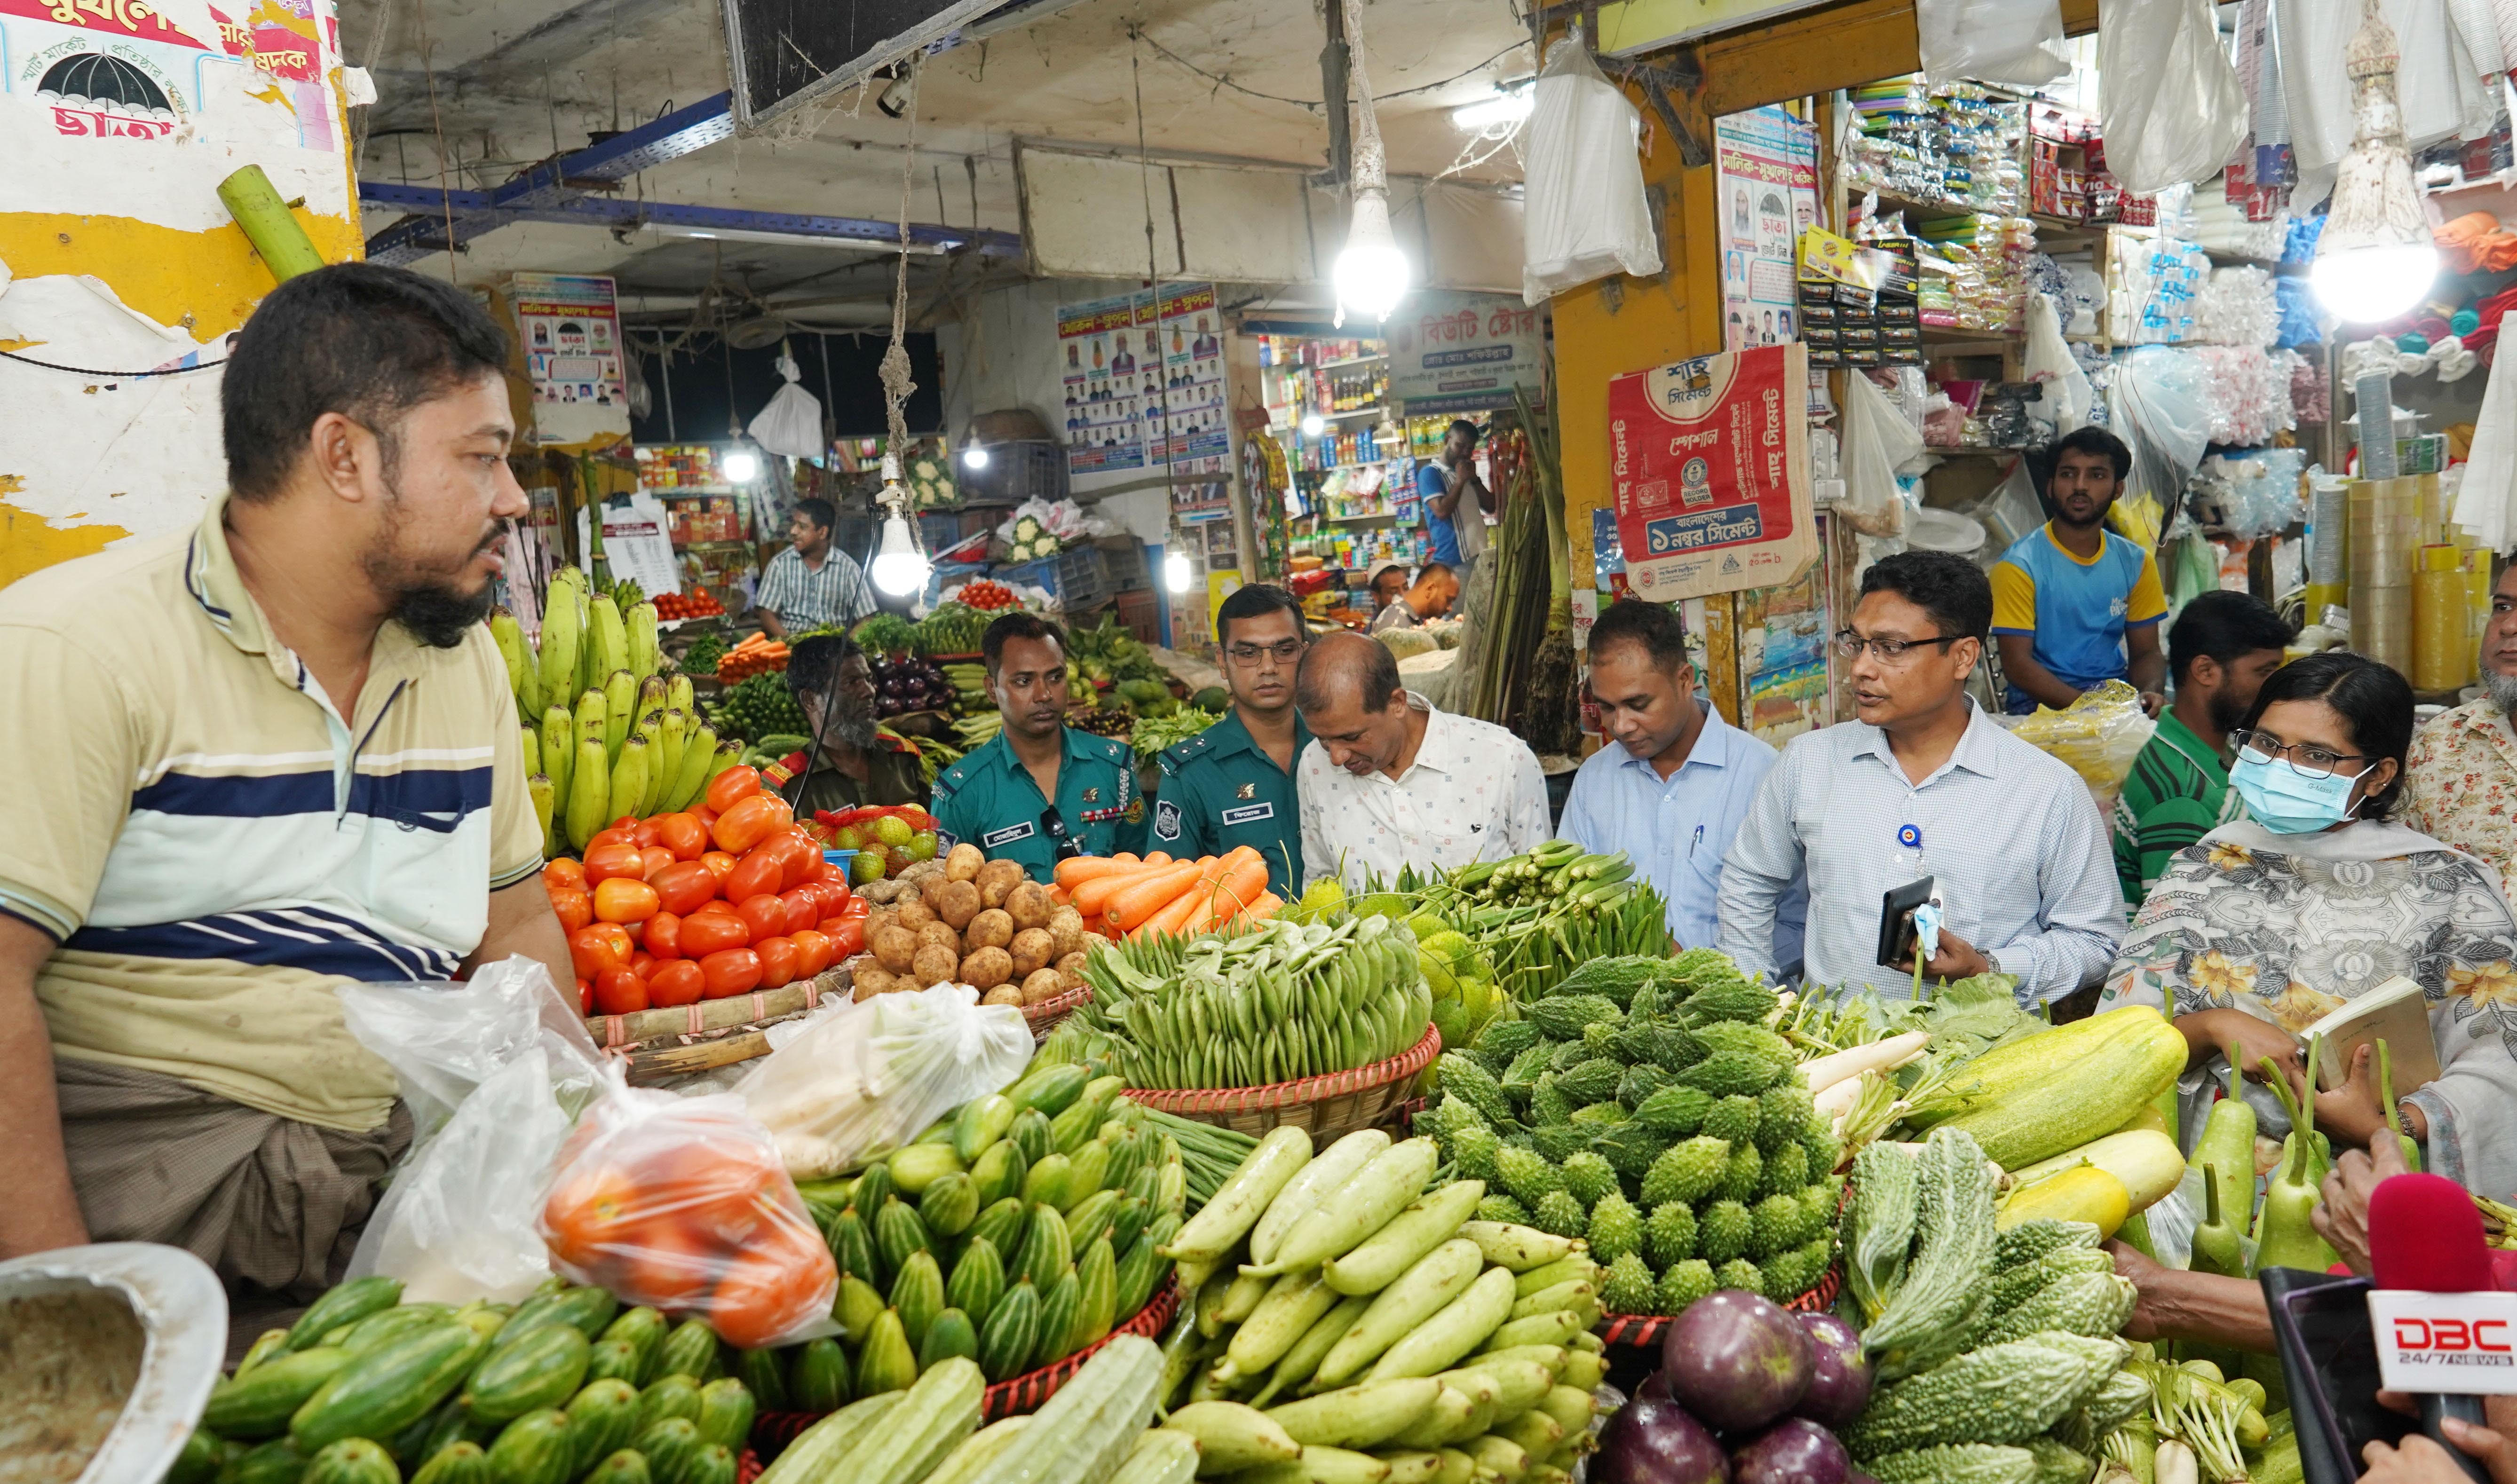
(1709, 467)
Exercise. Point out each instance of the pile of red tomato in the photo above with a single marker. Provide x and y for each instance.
(698, 603)
(724, 897)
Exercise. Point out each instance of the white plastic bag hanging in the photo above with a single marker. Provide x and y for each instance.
(1585, 215)
(2485, 504)
(2049, 362)
(862, 1080)
(791, 423)
(2173, 109)
(1877, 439)
(492, 1070)
(2018, 42)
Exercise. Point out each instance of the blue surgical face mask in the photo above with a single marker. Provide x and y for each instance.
(2287, 801)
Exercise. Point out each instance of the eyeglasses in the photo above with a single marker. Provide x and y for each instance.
(1053, 825)
(1283, 651)
(2303, 760)
(1886, 651)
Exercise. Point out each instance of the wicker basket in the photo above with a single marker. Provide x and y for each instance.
(1646, 1329)
(704, 1035)
(772, 1431)
(1050, 1013)
(1326, 1106)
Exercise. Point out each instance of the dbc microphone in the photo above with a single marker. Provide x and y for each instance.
(2425, 1236)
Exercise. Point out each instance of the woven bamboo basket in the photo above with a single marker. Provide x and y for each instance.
(772, 1431)
(1050, 1013)
(1327, 1106)
(1646, 1329)
(705, 1034)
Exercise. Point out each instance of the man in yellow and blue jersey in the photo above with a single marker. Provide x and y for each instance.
(2074, 603)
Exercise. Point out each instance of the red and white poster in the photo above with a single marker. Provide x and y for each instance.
(1709, 464)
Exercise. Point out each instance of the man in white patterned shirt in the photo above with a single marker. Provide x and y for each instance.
(810, 584)
(1389, 782)
(1924, 783)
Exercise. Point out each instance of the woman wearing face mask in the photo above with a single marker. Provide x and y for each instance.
(2267, 923)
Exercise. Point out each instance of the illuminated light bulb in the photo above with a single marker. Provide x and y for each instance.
(1313, 425)
(1371, 275)
(1176, 572)
(974, 457)
(1505, 109)
(2373, 285)
(899, 567)
(741, 467)
(2375, 258)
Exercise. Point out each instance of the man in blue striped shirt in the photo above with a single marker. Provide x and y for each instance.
(1924, 783)
(810, 584)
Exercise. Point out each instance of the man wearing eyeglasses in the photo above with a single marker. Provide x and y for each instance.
(1232, 785)
(1921, 783)
(1039, 791)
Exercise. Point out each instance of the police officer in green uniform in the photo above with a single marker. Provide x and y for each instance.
(1041, 790)
(1232, 785)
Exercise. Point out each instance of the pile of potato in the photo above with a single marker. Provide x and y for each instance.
(967, 919)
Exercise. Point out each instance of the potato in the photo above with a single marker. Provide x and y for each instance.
(963, 861)
(880, 893)
(878, 919)
(934, 965)
(1070, 970)
(993, 929)
(1030, 904)
(1066, 925)
(998, 880)
(956, 903)
(1040, 985)
(871, 979)
(1032, 949)
(1003, 993)
(914, 914)
(987, 967)
(895, 947)
(942, 936)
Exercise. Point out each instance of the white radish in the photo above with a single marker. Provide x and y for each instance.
(2175, 1463)
(1883, 1055)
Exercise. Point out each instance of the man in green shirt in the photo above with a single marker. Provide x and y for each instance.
(1000, 797)
(1232, 785)
(2219, 650)
(857, 766)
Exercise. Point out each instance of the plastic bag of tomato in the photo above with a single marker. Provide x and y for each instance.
(722, 899)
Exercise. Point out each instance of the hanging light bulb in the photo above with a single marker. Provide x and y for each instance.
(1371, 275)
(741, 466)
(974, 456)
(900, 568)
(1498, 114)
(1313, 425)
(1176, 572)
(2375, 258)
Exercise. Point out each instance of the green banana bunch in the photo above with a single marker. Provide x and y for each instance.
(559, 746)
(538, 785)
(561, 657)
(590, 790)
(620, 711)
(610, 639)
(629, 780)
(645, 658)
(691, 770)
(523, 674)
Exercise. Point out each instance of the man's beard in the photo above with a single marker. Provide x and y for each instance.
(858, 732)
(2502, 689)
(2226, 713)
(436, 613)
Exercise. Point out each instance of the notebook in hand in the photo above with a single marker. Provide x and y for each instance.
(2395, 1011)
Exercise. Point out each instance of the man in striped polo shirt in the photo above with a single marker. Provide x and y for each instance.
(811, 583)
(249, 761)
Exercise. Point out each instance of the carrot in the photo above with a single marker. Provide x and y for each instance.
(1092, 897)
(1241, 886)
(1130, 907)
(1128, 858)
(1160, 858)
(1075, 870)
(1174, 914)
(1267, 906)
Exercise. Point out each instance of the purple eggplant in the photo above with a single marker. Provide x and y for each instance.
(1839, 1376)
(1736, 1361)
(1794, 1451)
(1651, 1441)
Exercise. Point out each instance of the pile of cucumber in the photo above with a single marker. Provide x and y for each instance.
(1352, 1327)
(564, 1386)
(1022, 1227)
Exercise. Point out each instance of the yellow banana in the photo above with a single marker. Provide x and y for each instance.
(680, 695)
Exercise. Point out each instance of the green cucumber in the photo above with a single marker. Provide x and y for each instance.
(858, 1306)
(1070, 1129)
(258, 1403)
(950, 1205)
(346, 1304)
(645, 1329)
(387, 1389)
(897, 1233)
(1012, 1330)
(949, 1335)
(627, 1467)
(1058, 1310)
(614, 1360)
(981, 1122)
(1048, 1180)
(726, 1410)
(978, 1281)
(460, 1462)
(852, 1246)
(268, 1343)
(600, 1421)
(999, 1171)
(817, 1377)
(1142, 1269)
(671, 1446)
(1001, 1225)
(918, 1296)
(763, 1373)
(1088, 1219)
(1030, 1136)
(532, 1449)
(351, 1460)
(1050, 1089)
(1046, 1250)
(710, 1463)
(277, 1462)
(584, 1309)
(886, 1363)
(670, 1397)
(691, 1350)
(380, 1326)
(1097, 1275)
(1127, 1219)
(198, 1461)
(919, 1165)
(540, 1370)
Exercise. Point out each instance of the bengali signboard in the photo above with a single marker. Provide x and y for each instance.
(1709, 467)
(1466, 352)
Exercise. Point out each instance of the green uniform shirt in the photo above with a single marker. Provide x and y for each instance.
(2176, 793)
(1222, 790)
(989, 799)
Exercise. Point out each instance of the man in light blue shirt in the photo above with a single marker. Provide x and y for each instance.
(1924, 783)
(1676, 780)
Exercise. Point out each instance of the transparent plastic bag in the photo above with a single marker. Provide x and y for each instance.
(491, 1071)
(2173, 109)
(791, 423)
(862, 1080)
(2097, 734)
(680, 1204)
(2162, 410)
(1877, 439)
(2050, 364)
(1586, 215)
(2018, 42)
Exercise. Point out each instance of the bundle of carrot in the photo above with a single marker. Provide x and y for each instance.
(1125, 896)
(757, 656)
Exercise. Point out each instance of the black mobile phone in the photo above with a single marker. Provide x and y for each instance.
(2328, 1355)
(1896, 920)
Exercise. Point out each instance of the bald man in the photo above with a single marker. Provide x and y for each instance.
(1389, 782)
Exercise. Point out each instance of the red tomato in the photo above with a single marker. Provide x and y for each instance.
(685, 836)
(760, 872)
(684, 886)
(615, 835)
(584, 997)
(637, 931)
(734, 784)
(675, 982)
(563, 873)
(647, 832)
(640, 961)
(796, 855)
(704, 933)
(835, 895)
(749, 821)
(720, 863)
(604, 862)
(730, 971)
(621, 899)
(857, 909)
(714, 905)
(777, 961)
(802, 911)
(663, 935)
(657, 858)
(599, 946)
(703, 814)
(812, 952)
(764, 914)
(847, 940)
(574, 907)
(619, 992)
